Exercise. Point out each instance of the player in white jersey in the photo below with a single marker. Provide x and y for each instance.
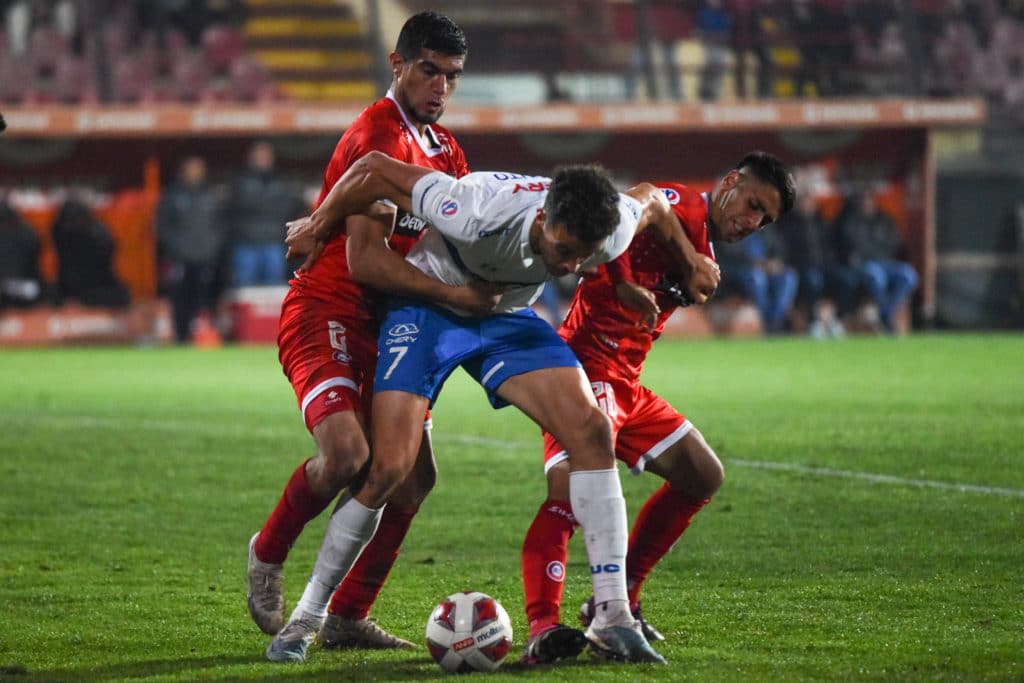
(516, 231)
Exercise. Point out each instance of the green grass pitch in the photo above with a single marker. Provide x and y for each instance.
(871, 526)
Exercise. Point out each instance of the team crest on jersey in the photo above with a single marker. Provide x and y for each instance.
(671, 195)
(449, 208)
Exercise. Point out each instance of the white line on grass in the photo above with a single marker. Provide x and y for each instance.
(783, 467)
(491, 443)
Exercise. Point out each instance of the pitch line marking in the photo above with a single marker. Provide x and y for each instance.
(787, 467)
(470, 440)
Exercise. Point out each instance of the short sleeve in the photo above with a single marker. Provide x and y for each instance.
(620, 239)
(444, 202)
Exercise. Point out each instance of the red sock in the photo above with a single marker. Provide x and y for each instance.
(362, 585)
(662, 520)
(544, 553)
(298, 505)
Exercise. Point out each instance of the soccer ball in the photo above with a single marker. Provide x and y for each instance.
(469, 631)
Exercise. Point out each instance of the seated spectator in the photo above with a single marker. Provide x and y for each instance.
(85, 257)
(20, 282)
(869, 249)
(757, 265)
(809, 249)
(260, 205)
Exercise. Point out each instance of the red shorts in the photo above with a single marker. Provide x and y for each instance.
(328, 356)
(644, 425)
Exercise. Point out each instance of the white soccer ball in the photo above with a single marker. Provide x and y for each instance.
(469, 631)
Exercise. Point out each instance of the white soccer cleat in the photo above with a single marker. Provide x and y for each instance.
(266, 592)
(339, 633)
(623, 643)
(292, 642)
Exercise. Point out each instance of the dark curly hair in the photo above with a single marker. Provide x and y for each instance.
(430, 31)
(584, 199)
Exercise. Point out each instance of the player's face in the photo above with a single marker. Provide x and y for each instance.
(562, 253)
(424, 83)
(742, 206)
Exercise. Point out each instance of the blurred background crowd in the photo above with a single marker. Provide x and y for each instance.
(219, 215)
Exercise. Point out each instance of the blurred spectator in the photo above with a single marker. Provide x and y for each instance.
(260, 204)
(714, 24)
(190, 237)
(85, 258)
(809, 250)
(869, 248)
(757, 265)
(20, 281)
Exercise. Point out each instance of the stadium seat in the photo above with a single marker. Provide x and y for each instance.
(251, 81)
(45, 48)
(15, 80)
(129, 78)
(221, 46)
(191, 75)
(72, 81)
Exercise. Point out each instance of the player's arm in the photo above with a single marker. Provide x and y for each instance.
(633, 296)
(373, 177)
(700, 272)
(373, 264)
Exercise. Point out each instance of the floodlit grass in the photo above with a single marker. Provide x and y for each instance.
(839, 548)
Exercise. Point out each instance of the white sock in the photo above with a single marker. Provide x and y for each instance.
(598, 505)
(350, 528)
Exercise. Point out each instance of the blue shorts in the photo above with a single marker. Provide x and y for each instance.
(420, 345)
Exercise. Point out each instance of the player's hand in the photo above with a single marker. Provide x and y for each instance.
(642, 300)
(301, 238)
(478, 298)
(703, 280)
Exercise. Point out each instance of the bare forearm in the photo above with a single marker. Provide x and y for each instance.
(373, 177)
(373, 264)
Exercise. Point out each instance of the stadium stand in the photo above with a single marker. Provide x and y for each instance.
(319, 54)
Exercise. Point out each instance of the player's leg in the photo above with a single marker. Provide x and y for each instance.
(545, 550)
(326, 362)
(348, 623)
(652, 435)
(692, 474)
(355, 519)
(409, 363)
(558, 397)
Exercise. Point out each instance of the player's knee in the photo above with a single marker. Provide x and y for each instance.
(417, 486)
(343, 456)
(594, 449)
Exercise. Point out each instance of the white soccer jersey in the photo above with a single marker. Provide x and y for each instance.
(482, 228)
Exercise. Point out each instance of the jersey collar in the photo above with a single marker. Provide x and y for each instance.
(431, 150)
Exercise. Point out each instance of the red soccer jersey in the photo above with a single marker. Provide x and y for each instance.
(604, 333)
(383, 127)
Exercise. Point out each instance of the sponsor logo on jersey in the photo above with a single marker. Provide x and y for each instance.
(555, 571)
(342, 357)
(449, 208)
(402, 333)
(410, 225)
(671, 195)
(403, 329)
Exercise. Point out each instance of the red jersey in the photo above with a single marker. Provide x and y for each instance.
(384, 127)
(599, 328)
